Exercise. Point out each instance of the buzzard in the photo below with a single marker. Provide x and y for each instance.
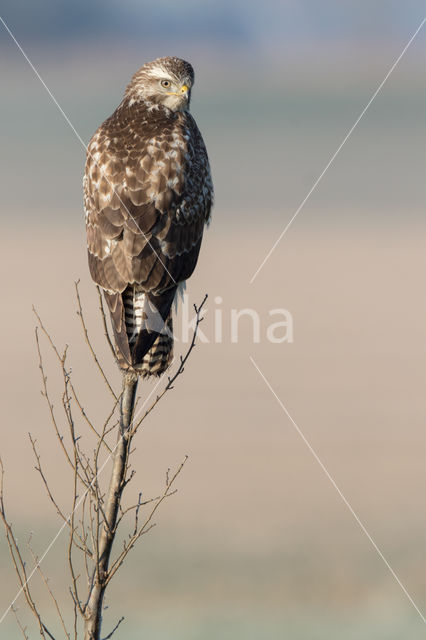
(147, 196)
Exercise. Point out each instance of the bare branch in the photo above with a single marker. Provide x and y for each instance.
(181, 367)
(147, 526)
(48, 336)
(46, 393)
(49, 492)
(115, 629)
(62, 358)
(97, 514)
(89, 422)
(75, 609)
(43, 477)
(86, 335)
(46, 583)
(19, 563)
(138, 506)
(104, 321)
(18, 622)
(71, 541)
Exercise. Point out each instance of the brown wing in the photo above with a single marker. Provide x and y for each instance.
(148, 195)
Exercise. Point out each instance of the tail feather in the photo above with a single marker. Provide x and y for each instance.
(143, 329)
(160, 355)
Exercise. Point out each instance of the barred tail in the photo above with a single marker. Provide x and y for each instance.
(160, 355)
(143, 329)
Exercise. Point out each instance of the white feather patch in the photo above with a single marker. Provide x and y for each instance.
(179, 295)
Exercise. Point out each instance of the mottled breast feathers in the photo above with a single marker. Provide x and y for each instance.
(147, 194)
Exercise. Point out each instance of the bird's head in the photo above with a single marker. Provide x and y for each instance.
(165, 81)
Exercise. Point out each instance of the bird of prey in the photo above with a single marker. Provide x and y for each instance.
(147, 194)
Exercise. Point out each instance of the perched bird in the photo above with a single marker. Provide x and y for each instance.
(147, 194)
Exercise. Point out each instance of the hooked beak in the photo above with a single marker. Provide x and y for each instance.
(183, 91)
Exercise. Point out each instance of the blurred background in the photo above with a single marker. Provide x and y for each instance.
(257, 542)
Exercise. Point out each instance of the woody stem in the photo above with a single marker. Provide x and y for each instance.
(93, 611)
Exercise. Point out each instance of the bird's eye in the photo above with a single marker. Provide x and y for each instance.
(165, 84)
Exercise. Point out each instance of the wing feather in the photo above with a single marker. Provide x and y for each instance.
(148, 194)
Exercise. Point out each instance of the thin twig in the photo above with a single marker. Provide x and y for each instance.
(115, 629)
(104, 321)
(75, 613)
(86, 335)
(46, 583)
(62, 358)
(94, 532)
(48, 336)
(47, 486)
(147, 526)
(47, 398)
(19, 563)
(180, 369)
(133, 507)
(85, 533)
(71, 541)
(18, 622)
(84, 414)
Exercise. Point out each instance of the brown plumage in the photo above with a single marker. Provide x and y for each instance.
(147, 194)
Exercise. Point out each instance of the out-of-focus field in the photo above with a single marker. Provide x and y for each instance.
(257, 542)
